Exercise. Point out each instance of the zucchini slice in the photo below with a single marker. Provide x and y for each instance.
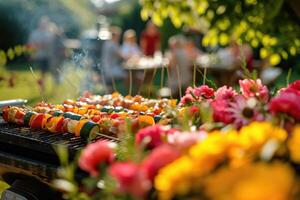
(89, 130)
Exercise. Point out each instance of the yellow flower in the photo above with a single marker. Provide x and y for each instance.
(254, 181)
(174, 178)
(294, 144)
(253, 136)
(238, 148)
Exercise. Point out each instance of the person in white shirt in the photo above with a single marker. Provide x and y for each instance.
(112, 58)
(130, 47)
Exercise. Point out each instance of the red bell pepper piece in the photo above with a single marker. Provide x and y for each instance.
(36, 122)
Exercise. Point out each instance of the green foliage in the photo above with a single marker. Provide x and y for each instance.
(13, 53)
(272, 25)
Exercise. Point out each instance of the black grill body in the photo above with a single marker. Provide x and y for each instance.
(29, 154)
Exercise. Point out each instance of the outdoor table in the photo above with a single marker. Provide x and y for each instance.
(222, 69)
(149, 67)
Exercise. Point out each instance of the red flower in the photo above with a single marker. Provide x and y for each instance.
(130, 178)
(287, 102)
(295, 85)
(152, 135)
(158, 158)
(194, 110)
(225, 93)
(251, 88)
(94, 155)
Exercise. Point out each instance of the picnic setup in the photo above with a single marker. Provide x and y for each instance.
(150, 100)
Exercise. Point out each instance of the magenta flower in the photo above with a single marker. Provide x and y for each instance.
(254, 88)
(293, 87)
(220, 113)
(130, 178)
(95, 154)
(225, 93)
(287, 102)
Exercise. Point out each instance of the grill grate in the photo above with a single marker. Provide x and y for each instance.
(40, 140)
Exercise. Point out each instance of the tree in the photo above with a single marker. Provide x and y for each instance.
(272, 25)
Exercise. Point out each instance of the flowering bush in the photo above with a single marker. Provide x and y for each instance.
(217, 144)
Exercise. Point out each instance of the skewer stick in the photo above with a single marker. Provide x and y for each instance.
(194, 76)
(179, 81)
(107, 136)
(130, 82)
(36, 78)
(168, 74)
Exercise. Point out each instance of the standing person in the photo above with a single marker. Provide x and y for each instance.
(40, 40)
(130, 47)
(112, 58)
(150, 40)
(57, 52)
(180, 76)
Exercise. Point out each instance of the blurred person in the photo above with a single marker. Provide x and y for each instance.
(130, 47)
(150, 39)
(40, 40)
(180, 75)
(192, 51)
(112, 58)
(57, 52)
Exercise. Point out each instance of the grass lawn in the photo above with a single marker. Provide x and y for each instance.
(26, 87)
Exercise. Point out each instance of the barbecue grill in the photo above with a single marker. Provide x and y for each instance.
(28, 160)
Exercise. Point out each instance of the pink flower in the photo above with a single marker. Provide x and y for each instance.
(243, 111)
(220, 113)
(251, 88)
(130, 178)
(158, 158)
(184, 140)
(186, 99)
(287, 102)
(189, 90)
(95, 154)
(226, 93)
(204, 91)
(152, 135)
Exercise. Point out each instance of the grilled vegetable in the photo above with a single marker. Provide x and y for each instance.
(28, 117)
(89, 130)
(36, 121)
